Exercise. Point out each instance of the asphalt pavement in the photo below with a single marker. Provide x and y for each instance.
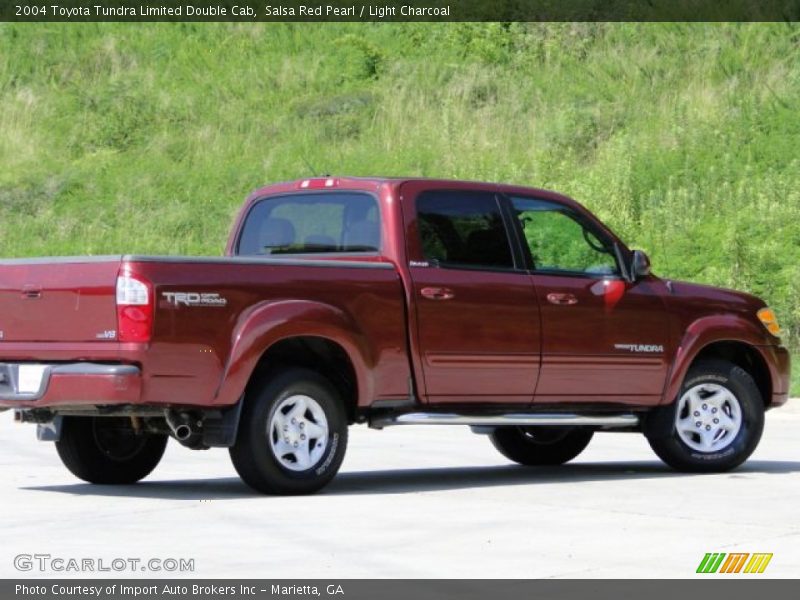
(410, 502)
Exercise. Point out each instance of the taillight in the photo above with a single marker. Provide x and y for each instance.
(134, 309)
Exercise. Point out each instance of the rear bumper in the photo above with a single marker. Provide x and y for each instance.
(70, 384)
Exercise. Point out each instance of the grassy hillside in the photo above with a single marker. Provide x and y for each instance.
(684, 137)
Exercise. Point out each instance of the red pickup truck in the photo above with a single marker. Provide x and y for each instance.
(383, 301)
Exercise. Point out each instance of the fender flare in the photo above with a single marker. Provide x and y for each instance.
(267, 323)
(702, 333)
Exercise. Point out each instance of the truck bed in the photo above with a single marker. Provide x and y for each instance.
(211, 319)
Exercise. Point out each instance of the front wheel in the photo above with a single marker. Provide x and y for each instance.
(293, 434)
(107, 450)
(716, 422)
(540, 446)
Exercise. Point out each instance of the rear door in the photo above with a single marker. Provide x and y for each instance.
(477, 316)
(604, 339)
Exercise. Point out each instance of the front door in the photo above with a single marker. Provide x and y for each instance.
(604, 339)
(477, 315)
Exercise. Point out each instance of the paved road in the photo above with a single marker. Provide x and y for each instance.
(416, 502)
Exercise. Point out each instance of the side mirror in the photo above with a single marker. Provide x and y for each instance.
(640, 265)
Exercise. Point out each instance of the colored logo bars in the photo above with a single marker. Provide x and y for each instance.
(736, 562)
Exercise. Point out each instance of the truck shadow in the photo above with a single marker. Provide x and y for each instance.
(400, 481)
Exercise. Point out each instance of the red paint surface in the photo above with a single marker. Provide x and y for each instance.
(496, 338)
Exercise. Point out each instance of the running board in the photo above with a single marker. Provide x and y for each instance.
(503, 420)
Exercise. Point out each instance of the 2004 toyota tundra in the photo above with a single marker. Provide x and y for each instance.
(385, 301)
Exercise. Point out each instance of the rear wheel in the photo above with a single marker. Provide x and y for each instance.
(716, 422)
(293, 434)
(538, 446)
(107, 450)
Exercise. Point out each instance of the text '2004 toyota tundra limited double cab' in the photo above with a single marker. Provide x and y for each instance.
(385, 301)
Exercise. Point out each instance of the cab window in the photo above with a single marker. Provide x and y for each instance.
(560, 242)
(463, 229)
(339, 222)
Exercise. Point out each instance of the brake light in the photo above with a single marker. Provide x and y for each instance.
(318, 183)
(134, 309)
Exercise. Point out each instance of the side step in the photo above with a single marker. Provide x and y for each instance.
(500, 420)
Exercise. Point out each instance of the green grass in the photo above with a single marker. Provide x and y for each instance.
(145, 138)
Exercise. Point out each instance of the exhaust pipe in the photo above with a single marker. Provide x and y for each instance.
(181, 425)
(182, 432)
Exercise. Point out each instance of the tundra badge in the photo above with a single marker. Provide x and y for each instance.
(651, 348)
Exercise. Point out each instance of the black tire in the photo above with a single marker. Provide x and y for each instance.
(540, 446)
(663, 436)
(252, 454)
(106, 450)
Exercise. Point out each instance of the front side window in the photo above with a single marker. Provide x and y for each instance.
(559, 242)
(463, 229)
(309, 223)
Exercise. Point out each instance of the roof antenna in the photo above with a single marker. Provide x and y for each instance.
(308, 166)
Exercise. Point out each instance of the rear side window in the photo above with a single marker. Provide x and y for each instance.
(463, 229)
(311, 223)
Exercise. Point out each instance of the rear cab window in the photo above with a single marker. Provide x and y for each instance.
(313, 223)
(463, 229)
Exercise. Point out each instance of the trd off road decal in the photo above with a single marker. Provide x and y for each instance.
(194, 299)
(647, 348)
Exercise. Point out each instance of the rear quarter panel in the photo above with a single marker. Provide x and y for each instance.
(204, 355)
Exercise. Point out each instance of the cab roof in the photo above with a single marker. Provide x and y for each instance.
(374, 183)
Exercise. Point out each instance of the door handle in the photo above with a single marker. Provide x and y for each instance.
(437, 293)
(562, 298)
(31, 292)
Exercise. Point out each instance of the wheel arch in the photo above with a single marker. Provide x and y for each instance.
(742, 355)
(728, 338)
(299, 333)
(319, 354)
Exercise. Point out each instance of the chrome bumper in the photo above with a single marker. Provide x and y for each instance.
(29, 382)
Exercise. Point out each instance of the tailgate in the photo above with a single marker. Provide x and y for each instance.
(58, 299)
